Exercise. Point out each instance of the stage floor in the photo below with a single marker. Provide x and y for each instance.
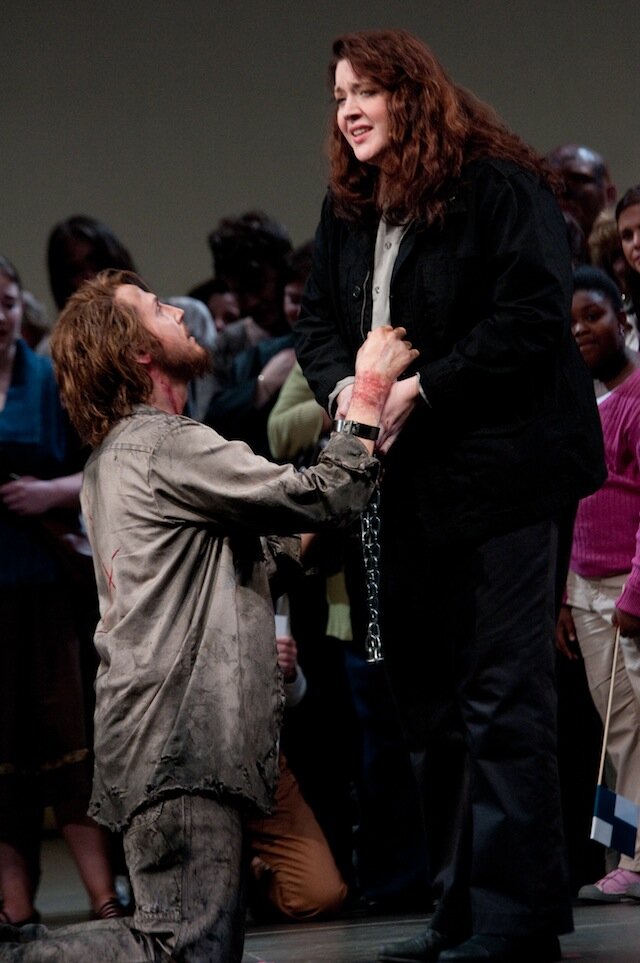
(603, 934)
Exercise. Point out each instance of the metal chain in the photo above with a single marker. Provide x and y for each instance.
(370, 537)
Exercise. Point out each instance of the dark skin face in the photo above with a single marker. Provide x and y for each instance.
(261, 300)
(599, 331)
(587, 190)
(224, 309)
(600, 334)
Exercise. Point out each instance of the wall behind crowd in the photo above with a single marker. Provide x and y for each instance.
(160, 117)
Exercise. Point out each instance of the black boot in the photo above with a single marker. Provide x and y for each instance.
(421, 949)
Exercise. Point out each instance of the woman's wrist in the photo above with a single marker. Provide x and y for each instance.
(370, 392)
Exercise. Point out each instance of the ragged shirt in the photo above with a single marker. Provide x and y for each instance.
(188, 692)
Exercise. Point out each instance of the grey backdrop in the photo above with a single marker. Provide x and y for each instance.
(160, 116)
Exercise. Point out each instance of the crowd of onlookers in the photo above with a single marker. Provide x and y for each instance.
(346, 826)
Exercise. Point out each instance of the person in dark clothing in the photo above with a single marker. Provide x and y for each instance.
(79, 248)
(45, 737)
(440, 220)
(254, 355)
(587, 188)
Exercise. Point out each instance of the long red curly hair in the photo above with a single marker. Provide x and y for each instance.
(436, 128)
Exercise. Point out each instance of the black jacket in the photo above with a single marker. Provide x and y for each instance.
(511, 433)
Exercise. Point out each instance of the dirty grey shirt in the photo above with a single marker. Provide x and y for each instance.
(188, 692)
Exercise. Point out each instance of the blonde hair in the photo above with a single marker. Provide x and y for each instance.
(95, 346)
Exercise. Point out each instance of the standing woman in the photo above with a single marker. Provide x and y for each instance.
(439, 219)
(44, 756)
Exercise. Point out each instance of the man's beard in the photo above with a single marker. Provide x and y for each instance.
(182, 361)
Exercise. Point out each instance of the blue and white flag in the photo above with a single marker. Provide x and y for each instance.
(615, 821)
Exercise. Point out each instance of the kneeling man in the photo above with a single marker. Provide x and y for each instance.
(186, 529)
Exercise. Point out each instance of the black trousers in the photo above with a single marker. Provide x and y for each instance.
(468, 636)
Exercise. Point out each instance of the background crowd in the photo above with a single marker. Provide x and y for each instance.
(346, 831)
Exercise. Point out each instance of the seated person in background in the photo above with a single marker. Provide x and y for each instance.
(320, 746)
(627, 214)
(221, 301)
(588, 188)
(360, 742)
(249, 263)
(79, 248)
(296, 422)
(294, 874)
(250, 255)
(45, 737)
(35, 323)
(605, 250)
(252, 357)
(297, 272)
(240, 409)
(603, 585)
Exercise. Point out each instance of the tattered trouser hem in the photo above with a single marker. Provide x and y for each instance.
(184, 857)
(110, 941)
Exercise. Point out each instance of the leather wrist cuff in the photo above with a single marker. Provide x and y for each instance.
(356, 428)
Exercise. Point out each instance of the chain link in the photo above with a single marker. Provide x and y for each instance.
(370, 537)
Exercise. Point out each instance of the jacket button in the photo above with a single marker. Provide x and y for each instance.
(357, 291)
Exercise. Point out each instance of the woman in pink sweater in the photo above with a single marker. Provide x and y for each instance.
(603, 585)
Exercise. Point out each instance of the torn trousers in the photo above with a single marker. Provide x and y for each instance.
(184, 857)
